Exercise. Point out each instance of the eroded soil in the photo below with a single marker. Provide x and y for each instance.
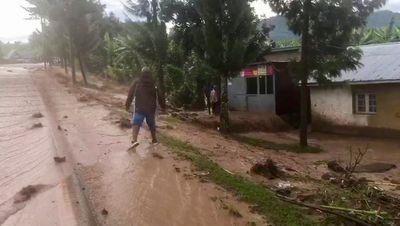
(99, 182)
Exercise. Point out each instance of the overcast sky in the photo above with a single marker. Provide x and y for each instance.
(14, 25)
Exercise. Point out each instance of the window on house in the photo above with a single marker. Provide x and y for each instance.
(270, 84)
(261, 83)
(366, 103)
(252, 86)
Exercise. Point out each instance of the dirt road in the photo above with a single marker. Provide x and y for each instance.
(100, 183)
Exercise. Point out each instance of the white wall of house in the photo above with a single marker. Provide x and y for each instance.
(335, 105)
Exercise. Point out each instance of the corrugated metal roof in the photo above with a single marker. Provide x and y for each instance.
(381, 64)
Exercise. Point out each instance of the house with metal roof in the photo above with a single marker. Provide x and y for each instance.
(266, 86)
(361, 100)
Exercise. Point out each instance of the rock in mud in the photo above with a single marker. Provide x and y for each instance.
(395, 181)
(375, 168)
(37, 115)
(335, 167)
(329, 176)
(37, 125)
(267, 169)
(157, 155)
(83, 99)
(104, 212)
(125, 123)
(60, 159)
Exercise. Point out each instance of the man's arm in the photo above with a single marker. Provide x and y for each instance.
(130, 97)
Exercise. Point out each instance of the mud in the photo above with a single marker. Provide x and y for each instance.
(27, 149)
(377, 167)
(135, 188)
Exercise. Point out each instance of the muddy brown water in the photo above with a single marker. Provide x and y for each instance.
(134, 188)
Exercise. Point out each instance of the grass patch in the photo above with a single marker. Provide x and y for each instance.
(255, 142)
(278, 213)
(170, 120)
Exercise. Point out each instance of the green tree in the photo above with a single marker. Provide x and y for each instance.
(325, 27)
(151, 37)
(75, 21)
(229, 40)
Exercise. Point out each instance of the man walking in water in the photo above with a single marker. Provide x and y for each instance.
(144, 91)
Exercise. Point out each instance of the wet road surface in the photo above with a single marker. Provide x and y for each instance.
(101, 183)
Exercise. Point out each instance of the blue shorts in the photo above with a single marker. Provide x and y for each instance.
(138, 119)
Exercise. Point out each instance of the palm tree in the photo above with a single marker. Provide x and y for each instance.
(151, 37)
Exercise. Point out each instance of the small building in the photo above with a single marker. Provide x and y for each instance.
(266, 86)
(364, 101)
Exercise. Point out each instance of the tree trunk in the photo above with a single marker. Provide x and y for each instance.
(224, 115)
(82, 68)
(304, 76)
(72, 60)
(161, 84)
(65, 64)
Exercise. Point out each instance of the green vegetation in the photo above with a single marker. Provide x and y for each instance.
(296, 148)
(226, 36)
(266, 203)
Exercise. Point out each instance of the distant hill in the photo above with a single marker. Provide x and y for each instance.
(376, 20)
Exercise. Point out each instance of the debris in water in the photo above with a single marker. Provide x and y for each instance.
(335, 167)
(65, 116)
(177, 169)
(37, 115)
(202, 173)
(157, 155)
(267, 169)
(60, 159)
(284, 188)
(27, 193)
(9, 71)
(37, 125)
(104, 212)
(59, 127)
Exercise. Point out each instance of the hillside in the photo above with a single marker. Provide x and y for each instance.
(375, 20)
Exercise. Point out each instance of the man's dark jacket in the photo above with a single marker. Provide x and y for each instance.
(145, 93)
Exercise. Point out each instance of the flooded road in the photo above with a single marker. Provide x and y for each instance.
(27, 148)
(100, 183)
